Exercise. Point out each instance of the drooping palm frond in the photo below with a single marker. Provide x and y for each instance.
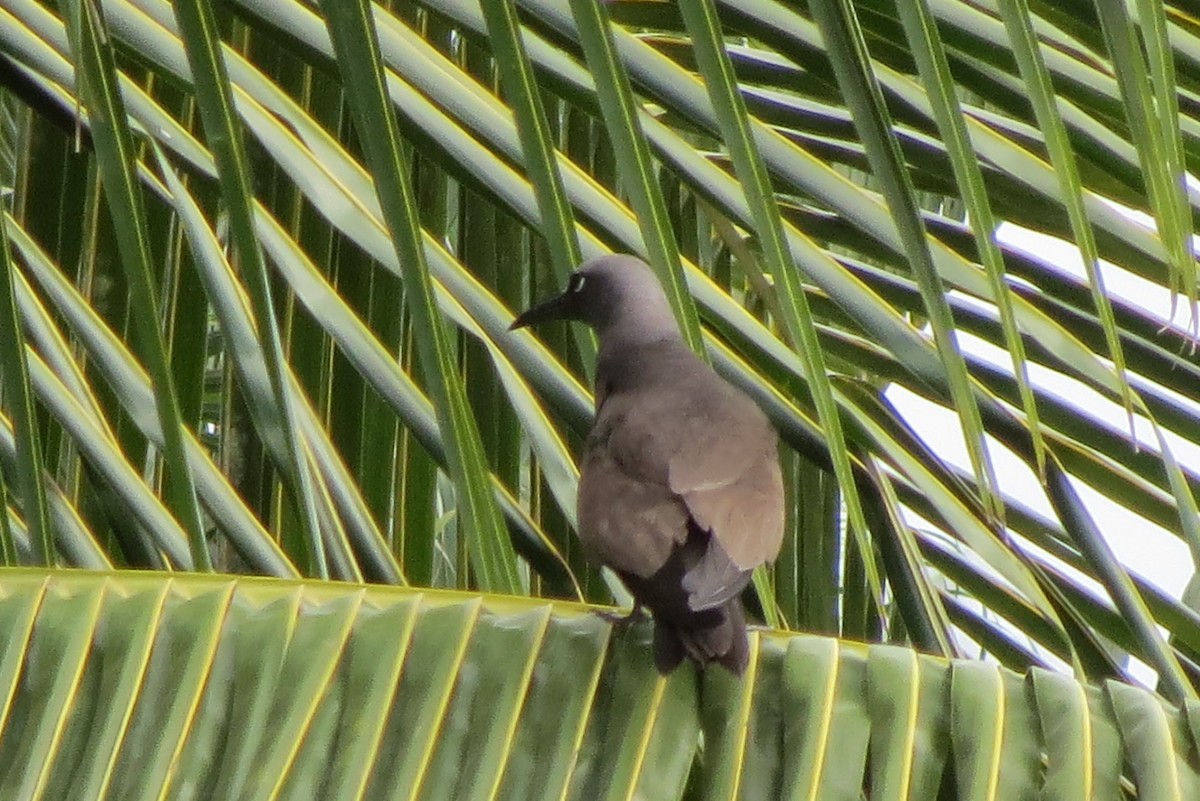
(822, 188)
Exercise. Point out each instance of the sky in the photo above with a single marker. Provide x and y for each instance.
(1143, 546)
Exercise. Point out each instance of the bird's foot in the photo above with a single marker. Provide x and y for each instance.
(621, 621)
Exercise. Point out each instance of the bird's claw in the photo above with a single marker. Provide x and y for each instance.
(619, 620)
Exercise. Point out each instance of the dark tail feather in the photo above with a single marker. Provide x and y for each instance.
(738, 656)
(717, 635)
(668, 648)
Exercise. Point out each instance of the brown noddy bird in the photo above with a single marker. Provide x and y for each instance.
(680, 490)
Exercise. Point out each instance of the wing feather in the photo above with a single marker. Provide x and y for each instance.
(626, 523)
(660, 462)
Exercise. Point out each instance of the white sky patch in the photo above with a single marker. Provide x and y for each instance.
(1142, 546)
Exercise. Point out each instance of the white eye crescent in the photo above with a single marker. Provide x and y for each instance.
(577, 283)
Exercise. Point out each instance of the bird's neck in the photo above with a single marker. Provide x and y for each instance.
(635, 346)
(643, 321)
(627, 344)
(625, 366)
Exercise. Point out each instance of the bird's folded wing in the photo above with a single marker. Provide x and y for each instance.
(627, 523)
(723, 464)
(744, 515)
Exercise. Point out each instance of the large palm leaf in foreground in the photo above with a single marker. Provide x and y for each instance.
(207, 270)
(211, 687)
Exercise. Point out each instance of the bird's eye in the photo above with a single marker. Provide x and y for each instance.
(576, 284)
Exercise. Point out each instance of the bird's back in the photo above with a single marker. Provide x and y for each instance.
(688, 401)
(680, 490)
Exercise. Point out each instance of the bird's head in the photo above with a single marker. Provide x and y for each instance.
(607, 293)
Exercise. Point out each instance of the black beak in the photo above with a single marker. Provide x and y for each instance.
(555, 308)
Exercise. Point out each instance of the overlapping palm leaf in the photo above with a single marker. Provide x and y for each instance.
(765, 192)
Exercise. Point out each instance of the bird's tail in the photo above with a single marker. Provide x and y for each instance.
(714, 635)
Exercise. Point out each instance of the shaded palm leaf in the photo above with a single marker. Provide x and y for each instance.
(231, 688)
(345, 450)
